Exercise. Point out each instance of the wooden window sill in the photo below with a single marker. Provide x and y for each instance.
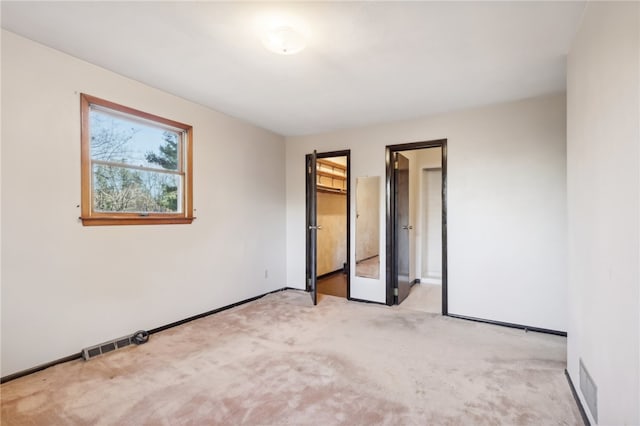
(145, 220)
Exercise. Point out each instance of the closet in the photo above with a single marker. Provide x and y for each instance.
(331, 175)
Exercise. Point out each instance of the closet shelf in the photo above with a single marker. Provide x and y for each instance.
(332, 176)
(330, 163)
(334, 190)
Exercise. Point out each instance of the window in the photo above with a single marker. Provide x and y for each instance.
(136, 167)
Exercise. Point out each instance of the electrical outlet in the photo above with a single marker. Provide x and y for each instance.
(266, 274)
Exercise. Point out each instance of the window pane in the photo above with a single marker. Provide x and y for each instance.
(115, 138)
(121, 189)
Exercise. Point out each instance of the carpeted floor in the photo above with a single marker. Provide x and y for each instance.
(279, 361)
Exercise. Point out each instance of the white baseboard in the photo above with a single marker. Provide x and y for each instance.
(436, 281)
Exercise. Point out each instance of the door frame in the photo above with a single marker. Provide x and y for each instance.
(390, 184)
(329, 154)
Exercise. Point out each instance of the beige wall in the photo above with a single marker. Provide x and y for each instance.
(603, 181)
(430, 158)
(506, 201)
(65, 286)
(332, 238)
(430, 238)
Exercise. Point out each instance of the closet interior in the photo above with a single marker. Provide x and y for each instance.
(332, 221)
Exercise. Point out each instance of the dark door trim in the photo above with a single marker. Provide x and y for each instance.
(343, 153)
(312, 226)
(390, 214)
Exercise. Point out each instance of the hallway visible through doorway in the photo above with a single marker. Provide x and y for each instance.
(417, 255)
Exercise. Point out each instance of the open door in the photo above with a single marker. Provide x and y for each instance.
(402, 227)
(312, 227)
(328, 203)
(398, 228)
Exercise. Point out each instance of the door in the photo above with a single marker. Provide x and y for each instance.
(402, 227)
(312, 227)
(397, 246)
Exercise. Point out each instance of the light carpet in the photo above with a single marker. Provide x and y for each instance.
(281, 361)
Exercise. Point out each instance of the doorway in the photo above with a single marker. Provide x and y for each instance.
(328, 224)
(430, 261)
(416, 225)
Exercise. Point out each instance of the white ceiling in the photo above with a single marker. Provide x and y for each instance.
(366, 62)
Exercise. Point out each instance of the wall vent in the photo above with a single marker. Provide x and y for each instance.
(103, 348)
(589, 391)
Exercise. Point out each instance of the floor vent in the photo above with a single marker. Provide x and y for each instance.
(103, 348)
(589, 391)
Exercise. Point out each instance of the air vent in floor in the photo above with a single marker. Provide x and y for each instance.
(112, 345)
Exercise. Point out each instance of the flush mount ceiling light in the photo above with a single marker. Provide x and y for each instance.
(284, 40)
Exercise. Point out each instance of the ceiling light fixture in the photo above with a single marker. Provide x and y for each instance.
(284, 40)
